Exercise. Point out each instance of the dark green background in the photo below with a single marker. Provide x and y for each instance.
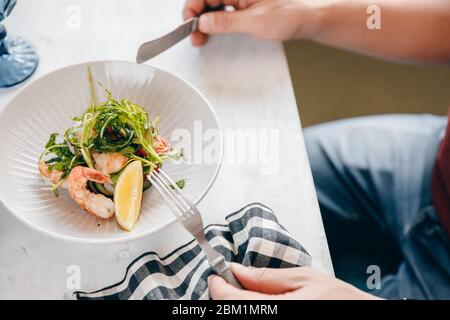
(332, 84)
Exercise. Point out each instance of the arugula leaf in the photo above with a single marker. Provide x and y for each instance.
(180, 184)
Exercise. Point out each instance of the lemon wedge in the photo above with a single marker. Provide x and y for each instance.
(128, 195)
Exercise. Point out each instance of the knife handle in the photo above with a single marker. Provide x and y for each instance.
(208, 8)
(194, 21)
(223, 269)
(230, 278)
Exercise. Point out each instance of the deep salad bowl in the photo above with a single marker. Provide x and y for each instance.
(48, 104)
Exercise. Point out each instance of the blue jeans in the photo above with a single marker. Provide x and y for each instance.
(373, 176)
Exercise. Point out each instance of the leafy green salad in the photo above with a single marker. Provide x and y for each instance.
(106, 137)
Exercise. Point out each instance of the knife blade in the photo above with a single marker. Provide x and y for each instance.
(153, 48)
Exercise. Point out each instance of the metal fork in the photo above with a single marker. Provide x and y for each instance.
(188, 214)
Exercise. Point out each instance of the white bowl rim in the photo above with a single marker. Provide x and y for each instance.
(131, 236)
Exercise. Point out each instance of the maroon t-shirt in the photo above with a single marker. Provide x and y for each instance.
(440, 183)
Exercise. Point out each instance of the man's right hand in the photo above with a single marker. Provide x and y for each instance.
(409, 31)
(266, 19)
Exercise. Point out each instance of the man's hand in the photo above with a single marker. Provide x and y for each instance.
(410, 30)
(266, 19)
(293, 283)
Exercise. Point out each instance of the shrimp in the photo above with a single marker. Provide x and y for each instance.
(109, 162)
(160, 144)
(96, 204)
(54, 176)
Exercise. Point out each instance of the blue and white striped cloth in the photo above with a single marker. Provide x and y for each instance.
(252, 236)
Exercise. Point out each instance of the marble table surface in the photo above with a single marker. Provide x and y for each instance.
(248, 83)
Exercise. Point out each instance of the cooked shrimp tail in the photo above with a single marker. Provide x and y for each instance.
(54, 176)
(96, 204)
(160, 144)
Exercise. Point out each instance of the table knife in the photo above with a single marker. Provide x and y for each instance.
(151, 49)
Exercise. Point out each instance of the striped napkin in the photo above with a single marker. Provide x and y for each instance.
(251, 236)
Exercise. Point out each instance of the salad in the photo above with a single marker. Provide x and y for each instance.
(104, 158)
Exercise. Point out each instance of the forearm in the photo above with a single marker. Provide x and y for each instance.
(410, 30)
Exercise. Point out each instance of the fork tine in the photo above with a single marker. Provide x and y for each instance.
(168, 196)
(165, 197)
(188, 207)
(175, 187)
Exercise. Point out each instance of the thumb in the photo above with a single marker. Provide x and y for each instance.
(225, 22)
(266, 280)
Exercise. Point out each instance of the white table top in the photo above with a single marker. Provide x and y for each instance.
(246, 80)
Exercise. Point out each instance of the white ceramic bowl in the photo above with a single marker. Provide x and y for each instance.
(47, 105)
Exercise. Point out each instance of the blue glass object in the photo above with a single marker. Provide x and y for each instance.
(18, 59)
